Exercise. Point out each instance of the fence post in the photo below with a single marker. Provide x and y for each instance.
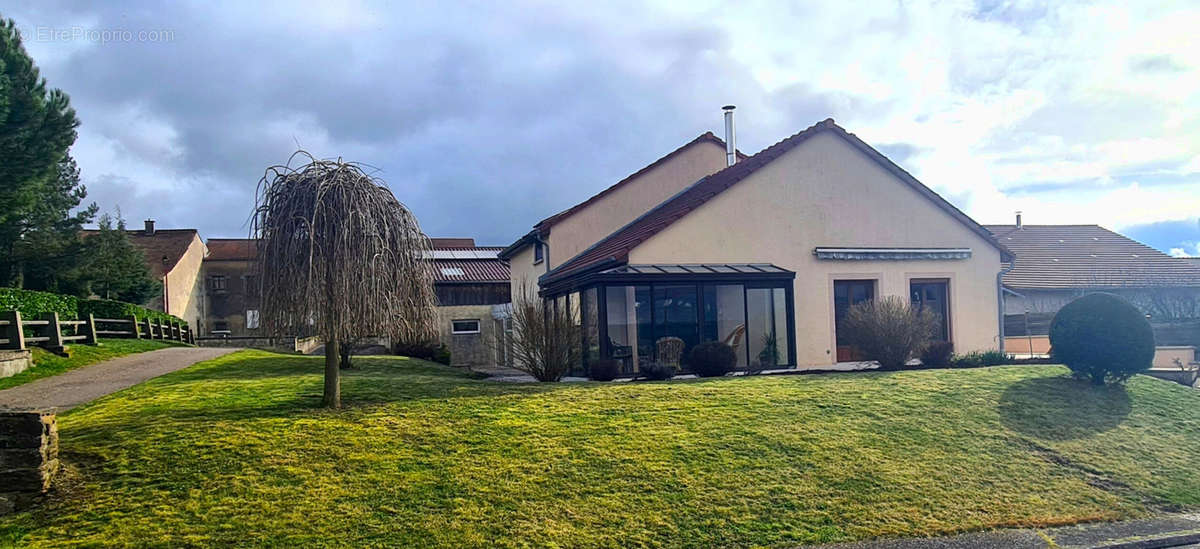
(54, 332)
(176, 334)
(14, 333)
(89, 330)
(149, 329)
(137, 331)
(158, 329)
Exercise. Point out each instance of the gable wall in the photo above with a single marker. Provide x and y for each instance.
(580, 230)
(827, 193)
(185, 284)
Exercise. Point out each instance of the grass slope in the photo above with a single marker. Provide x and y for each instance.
(235, 451)
(46, 364)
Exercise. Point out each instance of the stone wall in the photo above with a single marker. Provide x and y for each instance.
(288, 344)
(28, 457)
(14, 362)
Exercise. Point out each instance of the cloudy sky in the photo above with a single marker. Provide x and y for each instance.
(486, 117)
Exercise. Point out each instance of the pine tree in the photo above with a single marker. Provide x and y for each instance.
(114, 267)
(39, 185)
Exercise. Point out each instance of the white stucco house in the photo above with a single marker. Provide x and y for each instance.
(765, 252)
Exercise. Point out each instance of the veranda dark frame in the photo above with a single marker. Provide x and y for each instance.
(601, 281)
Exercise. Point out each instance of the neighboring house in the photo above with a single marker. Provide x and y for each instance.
(233, 288)
(1058, 263)
(472, 286)
(766, 254)
(174, 257)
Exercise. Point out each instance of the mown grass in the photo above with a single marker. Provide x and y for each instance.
(237, 451)
(46, 364)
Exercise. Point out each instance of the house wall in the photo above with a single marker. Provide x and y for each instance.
(580, 230)
(523, 274)
(231, 304)
(471, 350)
(827, 193)
(185, 284)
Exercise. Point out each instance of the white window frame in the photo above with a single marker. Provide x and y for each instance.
(454, 330)
(538, 250)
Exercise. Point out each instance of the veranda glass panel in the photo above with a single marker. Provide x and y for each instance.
(630, 338)
(766, 327)
(676, 314)
(591, 326)
(725, 318)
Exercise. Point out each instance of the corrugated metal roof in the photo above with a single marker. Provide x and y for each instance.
(1087, 256)
(470, 270)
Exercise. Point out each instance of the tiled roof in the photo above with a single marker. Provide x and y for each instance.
(1087, 256)
(545, 224)
(170, 244)
(231, 249)
(470, 270)
(616, 246)
(451, 243)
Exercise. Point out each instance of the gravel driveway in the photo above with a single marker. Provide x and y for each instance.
(70, 389)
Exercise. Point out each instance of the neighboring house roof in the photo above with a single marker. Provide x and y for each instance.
(460, 261)
(231, 249)
(163, 249)
(1087, 256)
(615, 247)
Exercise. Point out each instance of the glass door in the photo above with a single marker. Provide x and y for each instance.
(933, 295)
(847, 293)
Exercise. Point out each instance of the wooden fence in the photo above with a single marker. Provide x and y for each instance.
(53, 334)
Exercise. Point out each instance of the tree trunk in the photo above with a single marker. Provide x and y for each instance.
(333, 384)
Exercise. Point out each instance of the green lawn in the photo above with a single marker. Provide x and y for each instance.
(46, 364)
(236, 451)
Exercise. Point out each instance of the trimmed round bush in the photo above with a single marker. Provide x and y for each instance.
(712, 359)
(657, 371)
(1102, 338)
(604, 370)
(937, 354)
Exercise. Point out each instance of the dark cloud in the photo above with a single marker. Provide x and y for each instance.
(1165, 235)
(483, 121)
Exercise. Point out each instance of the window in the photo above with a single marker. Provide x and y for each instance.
(468, 326)
(847, 293)
(217, 283)
(452, 271)
(252, 319)
(933, 295)
(537, 253)
(220, 326)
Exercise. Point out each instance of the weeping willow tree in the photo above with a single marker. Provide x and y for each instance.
(339, 257)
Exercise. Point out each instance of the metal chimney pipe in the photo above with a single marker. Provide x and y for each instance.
(730, 138)
(1018, 219)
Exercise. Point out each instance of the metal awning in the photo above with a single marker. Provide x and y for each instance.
(671, 272)
(890, 254)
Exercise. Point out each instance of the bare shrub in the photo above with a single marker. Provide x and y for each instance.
(545, 339)
(889, 330)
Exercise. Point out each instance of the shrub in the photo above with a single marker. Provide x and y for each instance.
(888, 330)
(33, 304)
(1102, 338)
(107, 308)
(431, 350)
(545, 339)
(712, 359)
(604, 370)
(975, 359)
(657, 371)
(937, 354)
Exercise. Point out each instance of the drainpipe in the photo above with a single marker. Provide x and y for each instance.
(1000, 298)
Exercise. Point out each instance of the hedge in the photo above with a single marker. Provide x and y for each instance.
(107, 308)
(33, 304)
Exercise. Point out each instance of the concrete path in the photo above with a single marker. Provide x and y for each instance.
(70, 389)
(1181, 530)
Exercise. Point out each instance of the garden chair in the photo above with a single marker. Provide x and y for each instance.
(670, 350)
(734, 339)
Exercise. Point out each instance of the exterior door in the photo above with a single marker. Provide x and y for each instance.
(933, 295)
(847, 293)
